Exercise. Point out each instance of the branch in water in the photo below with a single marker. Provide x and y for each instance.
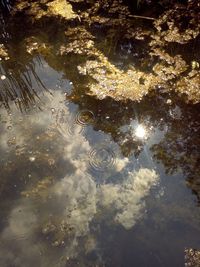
(141, 17)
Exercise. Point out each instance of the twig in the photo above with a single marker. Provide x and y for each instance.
(141, 17)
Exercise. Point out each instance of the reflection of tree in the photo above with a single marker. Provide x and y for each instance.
(5, 5)
(178, 149)
(180, 123)
(18, 85)
(180, 146)
(59, 198)
(19, 71)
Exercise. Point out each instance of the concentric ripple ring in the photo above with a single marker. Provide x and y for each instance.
(85, 117)
(101, 158)
(67, 125)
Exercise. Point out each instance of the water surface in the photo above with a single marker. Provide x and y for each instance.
(87, 182)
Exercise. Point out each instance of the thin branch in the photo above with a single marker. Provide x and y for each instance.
(141, 17)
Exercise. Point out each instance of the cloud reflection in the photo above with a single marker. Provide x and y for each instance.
(58, 211)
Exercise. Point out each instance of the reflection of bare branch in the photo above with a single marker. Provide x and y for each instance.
(5, 4)
(18, 86)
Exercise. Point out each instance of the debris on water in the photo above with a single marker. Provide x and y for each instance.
(169, 101)
(32, 159)
(55, 244)
(195, 64)
(9, 127)
(53, 110)
(3, 77)
(11, 141)
(51, 162)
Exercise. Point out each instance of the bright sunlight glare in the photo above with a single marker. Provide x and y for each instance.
(140, 131)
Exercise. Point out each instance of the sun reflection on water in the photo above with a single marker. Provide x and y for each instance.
(140, 131)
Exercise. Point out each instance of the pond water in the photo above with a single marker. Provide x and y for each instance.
(88, 182)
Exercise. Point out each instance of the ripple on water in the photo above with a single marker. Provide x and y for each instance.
(66, 124)
(101, 158)
(85, 117)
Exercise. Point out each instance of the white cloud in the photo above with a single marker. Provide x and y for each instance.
(74, 199)
(127, 199)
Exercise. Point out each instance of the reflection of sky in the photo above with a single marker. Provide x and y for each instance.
(73, 200)
(61, 195)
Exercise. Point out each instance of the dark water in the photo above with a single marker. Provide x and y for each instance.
(87, 182)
